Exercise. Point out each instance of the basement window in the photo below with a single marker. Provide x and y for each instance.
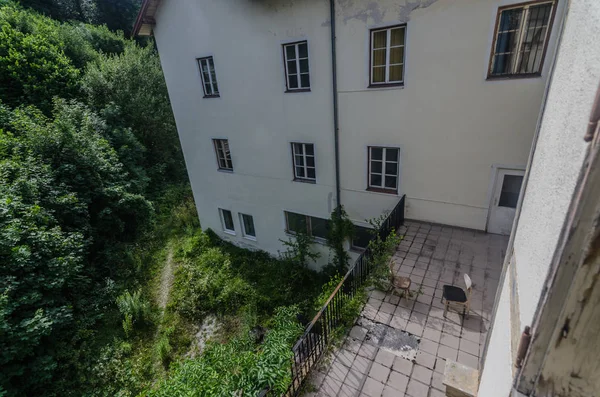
(318, 228)
(227, 221)
(521, 39)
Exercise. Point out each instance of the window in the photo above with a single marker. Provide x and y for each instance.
(247, 223)
(383, 169)
(296, 66)
(361, 238)
(227, 221)
(223, 154)
(303, 155)
(521, 39)
(511, 187)
(387, 56)
(209, 77)
(313, 226)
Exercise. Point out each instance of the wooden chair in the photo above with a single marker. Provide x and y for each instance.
(399, 283)
(456, 295)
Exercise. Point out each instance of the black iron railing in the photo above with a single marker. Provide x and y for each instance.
(313, 343)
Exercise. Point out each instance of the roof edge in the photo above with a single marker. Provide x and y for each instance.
(139, 21)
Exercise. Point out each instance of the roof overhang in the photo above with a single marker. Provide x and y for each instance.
(145, 19)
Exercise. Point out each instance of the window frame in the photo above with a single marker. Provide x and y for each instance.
(218, 151)
(382, 188)
(224, 224)
(356, 247)
(308, 222)
(387, 56)
(305, 167)
(212, 94)
(520, 39)
(285, 66)
(245, 233)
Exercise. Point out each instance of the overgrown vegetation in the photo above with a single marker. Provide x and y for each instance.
(340, 232)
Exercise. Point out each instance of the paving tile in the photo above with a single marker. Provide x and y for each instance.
(421, 308)
(403, 366)
(355, 378)
(432, 334)
(428, 346)
(385, 358)
(436, 393)
(470, 335)
(368, 351)
(379, 372)
(391, 392)
(393, 299)
(437, 381)
(468, 359)
(338, 371)
(382, 317)
(346, 357)
(374, 302)
(429, 282)
(358, 333)
(425, 359)
(452, 329)
(450, 341)
(387, 308)
(417, 317)
(398, 323)
(447, 352)
(397, 381)
(402, 312)
(372, 388)
(316, 378)
(440, 365)
(469, 347)
(426, 299)
(361, 365)
(422, 374)
(331, 386)
(347, 391)
(417, 389)
(352, 345)
(377, 294)
(414, 328)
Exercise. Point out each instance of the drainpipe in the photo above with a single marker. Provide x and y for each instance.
(336, 123)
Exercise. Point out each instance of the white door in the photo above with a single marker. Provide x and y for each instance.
(504, 200)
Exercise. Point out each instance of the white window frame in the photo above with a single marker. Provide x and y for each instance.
(224, 224)
(243, 227)
(206, 61)
(514, 67)
(383, 172)
(388, 47)
(298, 59)
(305, 167)
(308, 221)
(221, 154)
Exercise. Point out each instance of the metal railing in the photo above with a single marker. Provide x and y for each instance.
(313, 343)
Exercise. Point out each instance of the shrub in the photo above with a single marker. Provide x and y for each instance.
(135, 310)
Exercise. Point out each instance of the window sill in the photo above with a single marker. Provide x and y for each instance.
(230, 232)
(212, 96)
(514, 76)
(250, 238)
(387, 85)
(225, 170)
(311, 181)
(381, 190)
(288, 91)
(357, 250)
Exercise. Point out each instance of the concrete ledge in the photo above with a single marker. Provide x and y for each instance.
(460, 380)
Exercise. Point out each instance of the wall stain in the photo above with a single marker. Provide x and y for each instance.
(374, 13)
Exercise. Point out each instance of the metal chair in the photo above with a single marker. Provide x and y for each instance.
(456, 295)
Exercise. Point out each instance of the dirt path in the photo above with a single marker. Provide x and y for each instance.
(166, 280)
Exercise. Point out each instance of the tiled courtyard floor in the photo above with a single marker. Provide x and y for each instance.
(432, 256)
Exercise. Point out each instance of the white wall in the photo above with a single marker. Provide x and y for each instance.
(450, 123)
(554, 170)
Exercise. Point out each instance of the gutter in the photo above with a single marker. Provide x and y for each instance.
(336, 123)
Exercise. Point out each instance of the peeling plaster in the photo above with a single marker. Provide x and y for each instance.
(374, 12)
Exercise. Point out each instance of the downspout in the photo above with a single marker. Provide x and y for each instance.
(336, 123)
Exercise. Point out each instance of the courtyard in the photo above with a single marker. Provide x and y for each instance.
(369, 365)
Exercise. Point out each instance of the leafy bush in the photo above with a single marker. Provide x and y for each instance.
(135, 310)
(239, 367)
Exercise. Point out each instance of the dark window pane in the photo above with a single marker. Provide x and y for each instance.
(207, 90)
(380, 39)
(319, 227)
(304, 66)
(304, 80)
(310, 161)
(223, 163)
(391, 154)
(379, 75)
(311, 173)
(310, 149)
(397, 36)
(227, 219)
(292, 67)
(290, 51)
(397, 55)
(300, 172)
(298, 148)
(249, 225)
(211, 64)
(294, 81)
(376, 153)
(361, 237)
(391, 168)
(296, 222)
(303, 50)
(375, 180)
(390, 182)
(299, 161)
(511, 186)
(215, 88)
(396, 73)
(379, 57)
(376, 166)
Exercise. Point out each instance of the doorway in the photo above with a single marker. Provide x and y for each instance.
(505, 195)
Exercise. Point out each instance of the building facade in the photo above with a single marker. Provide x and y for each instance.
(436, 100)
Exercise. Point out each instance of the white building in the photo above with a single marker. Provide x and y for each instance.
(436, 100)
